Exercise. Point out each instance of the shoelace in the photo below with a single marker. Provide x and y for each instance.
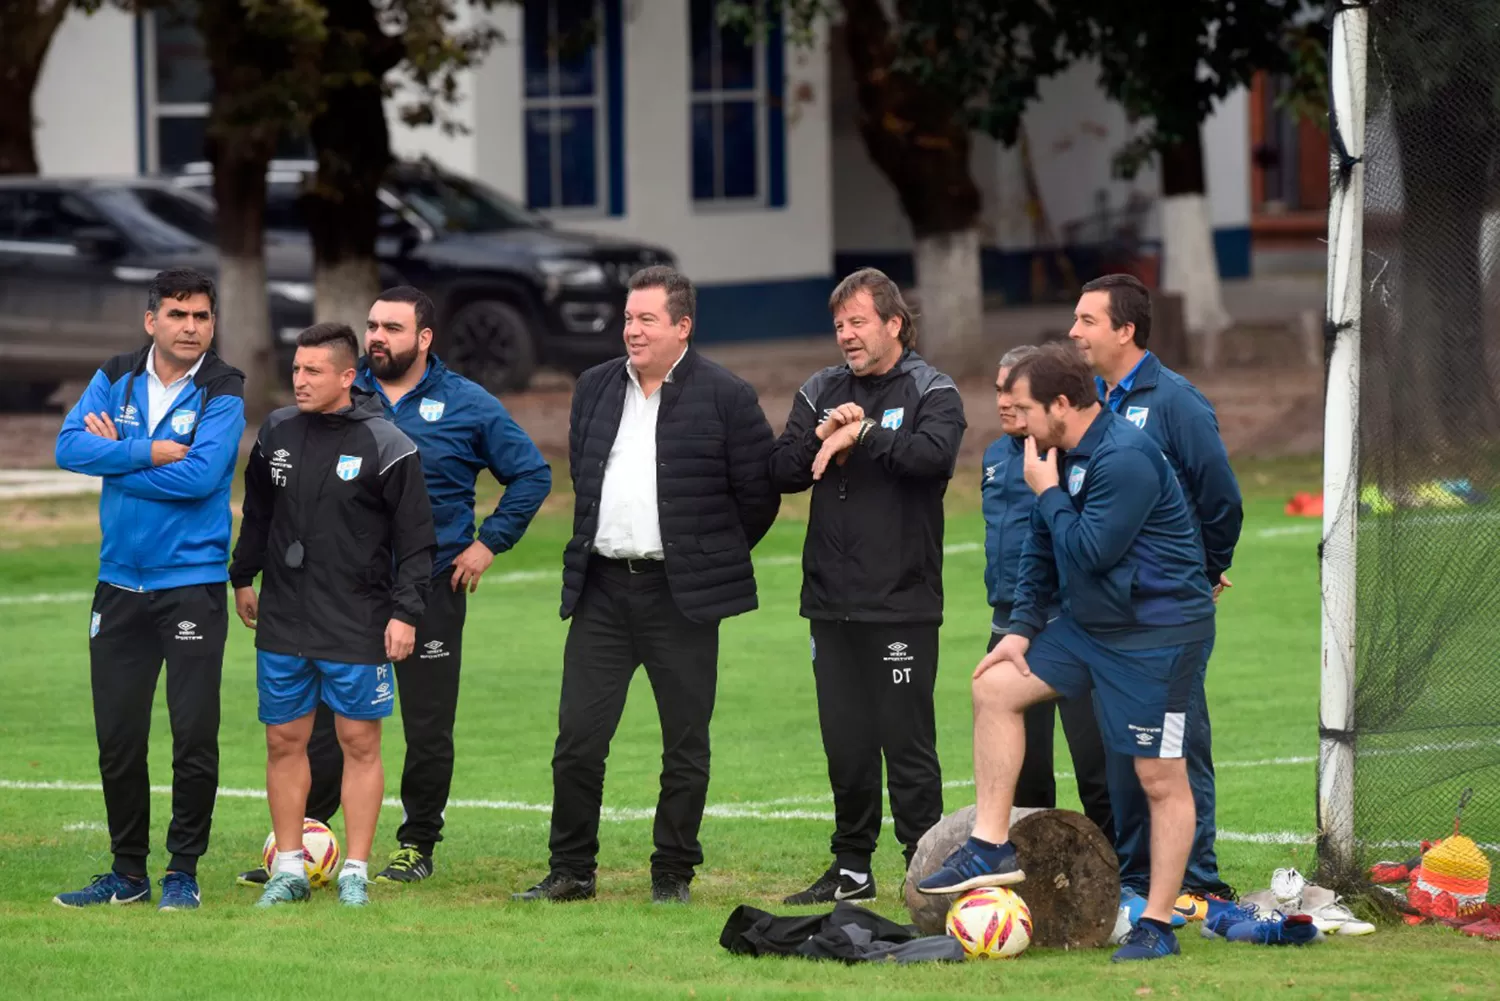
(405, 859)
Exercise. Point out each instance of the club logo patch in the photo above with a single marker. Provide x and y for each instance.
(183, 421)
(1137, 416)
(431, 410)
(1075, 480)
(94, 625)
(891, 419)
(348, 467)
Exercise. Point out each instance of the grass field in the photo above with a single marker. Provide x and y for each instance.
(458, 935)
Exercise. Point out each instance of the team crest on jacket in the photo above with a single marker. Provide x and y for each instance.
(430, 409)
(94, 625)
(1075, 479)
(183, 421)
(893, 417)
(1137, 416)
(348, 467)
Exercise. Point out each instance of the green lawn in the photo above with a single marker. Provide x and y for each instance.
(767, 831)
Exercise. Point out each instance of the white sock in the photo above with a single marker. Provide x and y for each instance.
(859, 877)
(290, 863)
(360, 868)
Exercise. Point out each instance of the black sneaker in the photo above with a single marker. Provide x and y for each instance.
(408, 864)
(559, 887)
(669, 889)
(832, 887)
(254, 877)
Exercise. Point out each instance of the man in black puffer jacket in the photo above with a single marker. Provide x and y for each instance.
(667, 453)
(876, 440)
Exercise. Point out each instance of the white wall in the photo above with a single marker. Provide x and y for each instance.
(85, 101)
(1226, 158)
(456, 152)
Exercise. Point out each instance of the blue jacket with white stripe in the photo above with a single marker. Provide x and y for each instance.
(1117, 543)
(162, 526)
(460, 429)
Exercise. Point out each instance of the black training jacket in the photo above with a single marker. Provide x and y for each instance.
(874, 547)
(347, 485)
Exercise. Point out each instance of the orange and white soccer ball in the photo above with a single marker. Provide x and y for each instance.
(990, 923)
(320, 852)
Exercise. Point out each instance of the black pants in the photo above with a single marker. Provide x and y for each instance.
(131, 634)
(1037, 783)
(427, 692)
(624, 620)
(875, 686)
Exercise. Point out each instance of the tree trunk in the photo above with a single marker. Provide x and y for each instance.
(920, 141)
(243, 331)
(1191, 268)
(27, 28)
(353, 148)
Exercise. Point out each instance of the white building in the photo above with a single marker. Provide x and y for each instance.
(744, 161)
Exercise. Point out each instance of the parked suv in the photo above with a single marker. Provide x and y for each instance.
(75, 259)
(511, 290)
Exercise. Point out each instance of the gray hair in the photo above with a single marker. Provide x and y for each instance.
(1016, 355)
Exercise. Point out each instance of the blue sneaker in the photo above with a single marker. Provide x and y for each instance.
(284, 888)
(353, 891)
(1224, 915)
(1295, 930)
(110, 888)
(1146, 942)
(971, 866)
(179, 892)
(1134, 905)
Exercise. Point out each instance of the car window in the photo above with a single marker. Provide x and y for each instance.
(283, 207)
(456, 205)
(160, 218)
(52, 216)
(10, 213)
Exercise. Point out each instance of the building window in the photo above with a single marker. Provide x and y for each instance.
(574, 106)
(737, 117)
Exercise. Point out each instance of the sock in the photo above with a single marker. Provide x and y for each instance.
(290, 863)
(358, 867)
(988, 846)
(1160, 926)
(859, 877)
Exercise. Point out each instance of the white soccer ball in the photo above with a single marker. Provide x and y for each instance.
(990, 923)
(320, 852)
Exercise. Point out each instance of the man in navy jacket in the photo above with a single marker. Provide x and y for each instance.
(162, 426)
(460, 430)
(1113, 538)
(1112, 325)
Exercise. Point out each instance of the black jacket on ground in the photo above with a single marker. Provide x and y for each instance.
(349, 486)
(874, 547)
(848, 933)
(714, 500)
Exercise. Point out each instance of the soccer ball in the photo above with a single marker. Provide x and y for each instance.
(320, 852)
(990, 923)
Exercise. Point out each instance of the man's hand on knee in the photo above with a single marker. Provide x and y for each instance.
(1010, 650)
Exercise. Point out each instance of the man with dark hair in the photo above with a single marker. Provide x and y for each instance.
(459, 430)
(1112, 325)
(667, 452)
(161, 425)
(876, 439)
(1118, 545)
(338, 523)
(1007, 503)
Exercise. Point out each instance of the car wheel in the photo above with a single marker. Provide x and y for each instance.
(491, 343)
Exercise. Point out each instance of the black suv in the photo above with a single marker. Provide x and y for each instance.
(511, 291)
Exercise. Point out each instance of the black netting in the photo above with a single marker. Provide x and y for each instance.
(1426, 636)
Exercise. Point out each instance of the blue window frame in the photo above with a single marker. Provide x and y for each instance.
(737, 119)
(574, 106)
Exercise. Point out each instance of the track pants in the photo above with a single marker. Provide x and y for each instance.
(875, 685)
(130, 634)
(427, 694)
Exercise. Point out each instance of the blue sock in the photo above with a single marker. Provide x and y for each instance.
(1158, 925)
(989, 847)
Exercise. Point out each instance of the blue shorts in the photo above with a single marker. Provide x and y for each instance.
(291, 687)
(1143, 696)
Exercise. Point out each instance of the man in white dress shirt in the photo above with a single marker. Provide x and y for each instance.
(668, 455)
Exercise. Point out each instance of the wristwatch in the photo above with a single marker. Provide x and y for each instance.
(864, 429)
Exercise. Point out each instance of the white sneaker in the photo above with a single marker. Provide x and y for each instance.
(1287, 884)
(1336, 919)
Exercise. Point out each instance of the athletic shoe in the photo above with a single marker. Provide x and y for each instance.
(1295, 930)
(972, 866)
(669, 889)
(1223, 915)
(1394, 872)
(179, 892)
(254, 877)
(1288, 884)
(1146, 942)
(1134, 905)
(284, 888)
(408, 864)
(352, 890)
(110, 888)
(1336, 919)
(559, 887)
(831, 887)
(1190, 907)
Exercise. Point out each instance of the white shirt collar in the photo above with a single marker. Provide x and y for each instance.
(186, 377)
(635, 377)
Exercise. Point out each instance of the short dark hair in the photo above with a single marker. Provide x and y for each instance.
(1056, 369)
(181, 283)
(682, 300)
(421, 304)
(338, 336)
(884, 293)
(1129, 302)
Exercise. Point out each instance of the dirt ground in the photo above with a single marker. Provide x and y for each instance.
(1264, 410)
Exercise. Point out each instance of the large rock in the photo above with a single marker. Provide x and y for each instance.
(1072, 875)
